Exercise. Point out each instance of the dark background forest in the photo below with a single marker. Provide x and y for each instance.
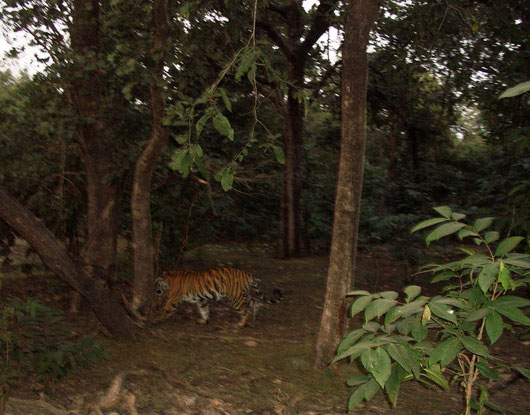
(152, 130)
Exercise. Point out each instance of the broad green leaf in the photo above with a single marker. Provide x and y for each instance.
(445, 352)
(412, 291)
(458, 216)
(478, 314)
(411, 308)
(494, 326)
(507, 245)
(463, 233)
(505, 279)
(279, 154)
(227, 179)
(393, 383)
(400, 354)
(443, 311)
(222, 125)
(226, 99)
(476, 259)
(377, 362)
(523, 371)
(377, 308)
(201, 123)
(427, 223)
(444, 276)
(363, 392)
(523, 263)
(357, 380)
(435, 374)
(488, 275)
(445, 211)
(419, 331)
(516, 90)
(513, 314)
(474, 346)
(351, 338)
(491, 236)
(511, 301)
(371, 326)
(360, 304)
(248, 58)
(389, 295)
(444, 230)
(358, 292)
(482, 223)
(449, 301)
(356, 350)
(392, 315)
(486, 371)
(181, 161)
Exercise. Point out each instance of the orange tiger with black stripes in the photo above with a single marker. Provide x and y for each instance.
(200, 287)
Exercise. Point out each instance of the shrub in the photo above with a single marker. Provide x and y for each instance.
(436, 340)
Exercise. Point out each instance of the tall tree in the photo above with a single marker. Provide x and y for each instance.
(141, 192)
(296, 45)
(360, 17)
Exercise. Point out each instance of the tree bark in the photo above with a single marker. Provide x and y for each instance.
(361, 15)
(296, 47)
(97, 144)
(95, 290)
(142, 230)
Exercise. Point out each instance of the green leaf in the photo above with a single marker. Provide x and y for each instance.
(491, 236)
(513, 314)
(377, 362)
(400, 354)
(350, 340)
(474, 346)
(248, 58)
(444, 230)
(358, 292)
(457, 216)
(377, 308)
(363, 392)
(181, 161)
(494, 326)
(482, 223)
(389, 295)
(505, 279)
(486, 371)
(507, 245)
(393, 383)
(487, 276)
(201, 123)
(412, 291)
(463, 233)
(225, 98)
(478, 314)
(516, 90)
(445, 211)
(511, 301)
(279, 154)
(222, 125)
(435, 374)
(427, 223)
(445, 352)
(523, 371)
(358, 380)
(360, 304)
(227, 180)
(443, 311)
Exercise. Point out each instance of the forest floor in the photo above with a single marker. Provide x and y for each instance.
(179, 367)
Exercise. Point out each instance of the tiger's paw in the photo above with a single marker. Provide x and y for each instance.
(202, 321)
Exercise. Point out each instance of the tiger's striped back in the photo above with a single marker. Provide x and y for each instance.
(200, 287)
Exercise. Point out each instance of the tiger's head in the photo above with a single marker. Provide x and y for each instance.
(161, 285)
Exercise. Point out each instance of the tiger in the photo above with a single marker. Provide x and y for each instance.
(200, 287)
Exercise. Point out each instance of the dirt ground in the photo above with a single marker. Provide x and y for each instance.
(179, 367)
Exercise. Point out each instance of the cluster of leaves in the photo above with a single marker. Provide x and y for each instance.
(431, 339)
(31, 344)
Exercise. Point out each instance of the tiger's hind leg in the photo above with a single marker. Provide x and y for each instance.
(204, 311)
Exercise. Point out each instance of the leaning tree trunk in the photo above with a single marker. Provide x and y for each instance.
(361, 15)
(141, 191)
(95, 290)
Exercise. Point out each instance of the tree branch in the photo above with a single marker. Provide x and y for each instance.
(321, 23)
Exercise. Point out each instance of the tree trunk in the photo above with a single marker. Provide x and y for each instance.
(141, 192)
(97, 144)
(361, 15)
(95, 290)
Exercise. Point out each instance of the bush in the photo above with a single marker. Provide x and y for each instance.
(433, 339)
(31, 344)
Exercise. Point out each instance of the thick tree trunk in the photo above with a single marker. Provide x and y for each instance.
(141, 193)
(97, 143)
(95, 290)
(361, 15)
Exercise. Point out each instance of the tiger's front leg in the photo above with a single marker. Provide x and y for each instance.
(204, 311)
(168, 309)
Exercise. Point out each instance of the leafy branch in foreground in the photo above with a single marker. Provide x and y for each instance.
(445, 338)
